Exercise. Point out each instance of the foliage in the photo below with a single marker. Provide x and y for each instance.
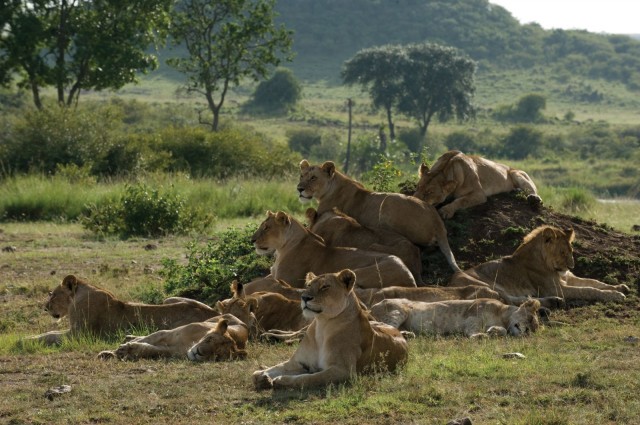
(211, 269)
(303, 140)
(276, 95)
(521, 142)
(528, 109)
(142, 211)
(383, 175)
(74, 46)
(226, 40)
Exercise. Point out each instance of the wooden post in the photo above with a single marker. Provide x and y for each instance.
(346, 163)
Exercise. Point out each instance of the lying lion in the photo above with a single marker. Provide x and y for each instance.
(540, 268)
(339, 343)
(415, 220)
(469, 180)
(299, 251)
(427, 293)
(99, 312)
(472, 318)
(338, 229)
(269, 284)
(217, 339)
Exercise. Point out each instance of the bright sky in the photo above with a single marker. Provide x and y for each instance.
(610, 16)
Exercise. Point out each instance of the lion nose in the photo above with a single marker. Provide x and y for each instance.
(306, 298)
(300, 189)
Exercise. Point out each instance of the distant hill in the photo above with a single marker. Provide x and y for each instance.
(328, 32)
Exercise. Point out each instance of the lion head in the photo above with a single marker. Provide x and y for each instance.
(62, 297)
(216, 345)
(314, 179)
(327, 294)
(270, 234)
(433, 188)
(553, 245)
(525, 319)
(240, 306)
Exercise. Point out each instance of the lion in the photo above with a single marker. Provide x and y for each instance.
(539, 268)
(470, 180)
(427, 294)
(97, 311)
(473, 318)
(298, 251)
(220, 338)
(338, 229)
(409, 216)
(339, 343)
(269, 284)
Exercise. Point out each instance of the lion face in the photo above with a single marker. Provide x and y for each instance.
(61, 298)
(216, 345)
(270, 234)
(433, 189)
(314, 179)
(525, 319)
(239, 305)
(327, 294)
(557, 249)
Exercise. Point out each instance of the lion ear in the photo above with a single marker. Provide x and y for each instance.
(309, 277)
(253, 304)
(222, 327)
(549, 234)
(283, 217)
(71, 282)
(424, 169)
(304, 164)
(219, 307)
(348, 278)
(329, 167)
(237, 289)
(531, 305)
(311, 215)
(571, 234)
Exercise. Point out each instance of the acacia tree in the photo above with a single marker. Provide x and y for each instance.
(226, 41)
(378, 71)
(436, 80)
(76, 45)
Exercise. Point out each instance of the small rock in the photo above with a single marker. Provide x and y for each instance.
(636, 227)
(513, 356)
(9, 249)
(56, 391)
(631, 339)
(150, 246)
(463, 421)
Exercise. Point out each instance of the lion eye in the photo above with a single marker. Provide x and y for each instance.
(324, 288)
(313, 178)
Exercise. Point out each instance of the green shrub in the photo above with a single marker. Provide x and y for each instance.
(303, 140)
(276, 95)
(383, 176)
(142, 211)
(528, 109)
(462, 141)
(521, 142)
(211, 269)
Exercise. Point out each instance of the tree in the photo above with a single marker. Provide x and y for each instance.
(226, 40)
(76, 45)
(379, 71)
(436, 80)
(278, 94)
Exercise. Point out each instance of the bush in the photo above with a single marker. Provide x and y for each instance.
(211, 269)
(527, 110)
(276, 95)
(303, 140)
(144, 212)
(521, 142)
(461, 141)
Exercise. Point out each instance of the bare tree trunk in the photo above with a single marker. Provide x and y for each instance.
(392, 127)
(346, 163)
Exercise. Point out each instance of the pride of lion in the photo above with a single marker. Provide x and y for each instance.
(351, 282)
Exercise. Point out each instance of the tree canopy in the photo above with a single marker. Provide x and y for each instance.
(226, 41)
(76, 45)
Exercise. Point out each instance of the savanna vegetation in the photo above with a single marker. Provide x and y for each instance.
(131, 190)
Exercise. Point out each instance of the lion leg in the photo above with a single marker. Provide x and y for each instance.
(572, 280)
(332, 374)
(263, 379)
(522, 181)
(141, 350)
(476, 197)
(591, 294)
(49, 338)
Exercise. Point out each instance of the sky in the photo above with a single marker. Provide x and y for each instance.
(610, 16)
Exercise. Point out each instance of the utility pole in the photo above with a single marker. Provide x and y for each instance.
(346, 163)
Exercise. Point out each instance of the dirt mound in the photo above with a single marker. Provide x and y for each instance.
(496, 228)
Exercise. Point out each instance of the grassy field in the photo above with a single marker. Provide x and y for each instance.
(579, 373)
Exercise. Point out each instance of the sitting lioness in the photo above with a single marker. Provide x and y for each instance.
(412, 218)
(99, 312)
(299, 251)
(338, 229)
(220, 338)
(539, 268)
(473, 318)
(470, 180)
(339, 343)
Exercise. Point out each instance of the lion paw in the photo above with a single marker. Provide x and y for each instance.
(446, 212)
(622, 288)
(496, 331)
(534, 201)
(261, 381)
(124, 352)
(553, 302)
(106, 355)
(616, 296)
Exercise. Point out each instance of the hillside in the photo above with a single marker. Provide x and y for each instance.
(327, 32)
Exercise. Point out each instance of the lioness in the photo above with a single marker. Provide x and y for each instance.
(340, 341)
(427, 294)
(338, 229)
(94, 310)
(470, 180)
(473, 318)
(220, 338)
(540, 268)
(416, 220)
(269, 284)
(299, 251)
